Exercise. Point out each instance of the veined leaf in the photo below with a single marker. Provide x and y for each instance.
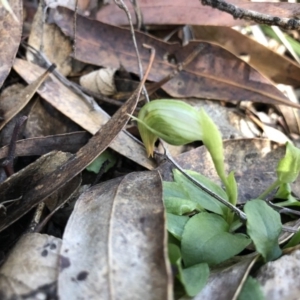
(264, 227)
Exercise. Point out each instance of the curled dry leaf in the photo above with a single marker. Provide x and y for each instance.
(72, 106)
(214, 73)
(31, 268)
(252, 160)
(124, 220)
(170, 12)
(100, 81)
(10, 32)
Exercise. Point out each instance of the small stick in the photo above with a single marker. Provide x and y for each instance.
(240, 13)
(123, 6)
(233, 208)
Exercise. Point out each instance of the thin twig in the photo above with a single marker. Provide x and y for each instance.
(138, 14)
(233, 208)
(240, 13)
(75, 28)
(123, 6)
(44, 62)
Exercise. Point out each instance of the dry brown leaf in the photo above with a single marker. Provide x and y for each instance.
(54, 174)
(10, 32)
(11, 105)
(44, 120)
(69, 142)
(72, 106)
(182, 12)
(31, 268)
(280, 279)
(225, 283)
(114, 245)
(253, 161)
(278, 68)
(56, 46)
(215, 73)
(100, 81)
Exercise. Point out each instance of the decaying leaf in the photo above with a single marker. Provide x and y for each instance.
(69, 142)
(192, 12)
(31, 268)
(55, 174)
(225, 283)
(120, 250)
(252, 160)
(11, 105)
(72, 105)
(51, 41)
(100, 81)
(45, 120)
(213, 74)
(280, 279)
(10, 32)
(260, 57)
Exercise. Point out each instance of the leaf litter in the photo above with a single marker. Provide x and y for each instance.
(127, 213)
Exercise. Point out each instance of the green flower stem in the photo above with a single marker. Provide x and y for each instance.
(272, 187)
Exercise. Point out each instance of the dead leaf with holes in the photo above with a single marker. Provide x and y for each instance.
(38, 256)
(124, 220)
(213, 74)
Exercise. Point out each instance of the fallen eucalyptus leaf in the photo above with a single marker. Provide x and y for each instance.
(123, 220)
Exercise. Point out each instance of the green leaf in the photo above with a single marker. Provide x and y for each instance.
(206, 239)
(289, 166)
(294, 241)
(285, 192)
(180, 207)
(264, 227)
(194, 278)
(96, 165)
(212, 140)
(175, 224)
(197, 195)
(174, 254)
(251, 290)
(231, 189)
(173, 189)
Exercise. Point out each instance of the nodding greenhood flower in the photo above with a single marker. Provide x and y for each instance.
(176, 122)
